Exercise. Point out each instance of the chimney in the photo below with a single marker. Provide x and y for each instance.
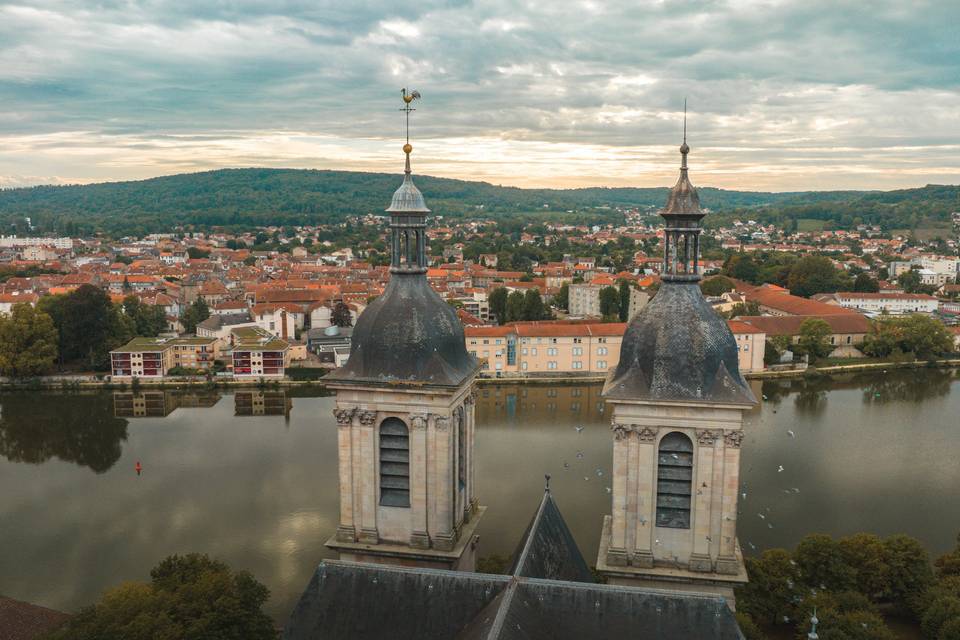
(283, 323)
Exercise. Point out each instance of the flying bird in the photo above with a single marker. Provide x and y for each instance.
(579, 429)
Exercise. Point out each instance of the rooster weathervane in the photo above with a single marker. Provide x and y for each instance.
(407, 99)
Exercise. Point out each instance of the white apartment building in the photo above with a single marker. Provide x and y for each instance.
(57, 243)
(877, 303)
(584, 300)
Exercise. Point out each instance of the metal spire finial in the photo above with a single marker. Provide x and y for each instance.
(546, 486)
(407, 99)
(684, 119)
(813, 631)
(684, 148)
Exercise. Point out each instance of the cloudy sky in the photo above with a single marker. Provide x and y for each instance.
(811, 94)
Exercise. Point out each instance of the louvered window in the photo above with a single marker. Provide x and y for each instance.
(394, 463)
(674, 477)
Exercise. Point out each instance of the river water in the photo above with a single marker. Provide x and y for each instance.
(251, 477)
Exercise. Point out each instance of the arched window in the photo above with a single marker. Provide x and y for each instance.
(394, 463)
(674, 478)
(461, 452)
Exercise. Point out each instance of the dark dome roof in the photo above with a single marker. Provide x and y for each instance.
(678, 348)
(408, 335)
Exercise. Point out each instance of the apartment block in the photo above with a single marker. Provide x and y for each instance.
(584, 300)
(258, 353)
(154, 357)
(577, 348)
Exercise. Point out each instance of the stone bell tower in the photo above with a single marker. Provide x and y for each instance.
(405, 414)
(678, 401)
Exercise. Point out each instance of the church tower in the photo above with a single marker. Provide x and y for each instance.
(405, 413)
(678, 402)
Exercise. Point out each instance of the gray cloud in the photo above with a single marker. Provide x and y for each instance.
(783, 94)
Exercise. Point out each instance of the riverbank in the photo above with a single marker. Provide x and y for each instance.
(91, 381)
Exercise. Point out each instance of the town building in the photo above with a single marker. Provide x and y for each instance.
(847, 331)
(678, 402)
(584, 300)
(257, 353)
(879, 303)
(155, 357)
(552, 348)
(331, 344)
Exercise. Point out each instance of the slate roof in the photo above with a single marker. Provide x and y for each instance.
(549, 595)
(678, 349)
(408, 335)
(548, 550)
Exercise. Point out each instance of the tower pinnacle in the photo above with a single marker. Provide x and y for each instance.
(684, 148)
(407, 99)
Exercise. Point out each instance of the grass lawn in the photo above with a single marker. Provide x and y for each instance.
(810, 224)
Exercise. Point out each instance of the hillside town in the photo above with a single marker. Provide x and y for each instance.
(258, 304)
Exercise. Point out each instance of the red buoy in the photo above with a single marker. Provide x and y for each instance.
(138, 467)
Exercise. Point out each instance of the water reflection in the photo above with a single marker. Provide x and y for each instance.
(265, 499)
(537, 404)
(159, 404)
(262, 403)
(78, 428)
(907, 388)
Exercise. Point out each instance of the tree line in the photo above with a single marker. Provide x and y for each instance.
(74, 330)
(851, 583)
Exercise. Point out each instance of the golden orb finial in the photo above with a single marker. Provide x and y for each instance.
(407, 148)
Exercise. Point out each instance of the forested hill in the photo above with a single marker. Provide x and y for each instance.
(244, 198)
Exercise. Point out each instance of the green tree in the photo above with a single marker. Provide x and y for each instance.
(774, 584)
(717, 285)
(88, 325)
(814, 338)
(148, 320)
(939, 611)
(609, 304)
(909, 281)
(196, 253)
(813, 274)
(865, 284)
(498, 304)
(533, 308)
(188, 596)
(948, 565)
(742, 267)
(28, 342)
(921, 335)
(866, 554)
(771, 354)
(748, 308)
(624, 300)
(909, 571)
(562, 299)
(194, 315)
(820, 560)
(340, 316)
(515, 306)
(924, 336)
